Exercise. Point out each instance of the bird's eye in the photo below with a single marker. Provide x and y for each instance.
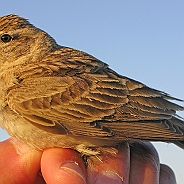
(6, 38)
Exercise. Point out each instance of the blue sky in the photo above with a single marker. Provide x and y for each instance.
(143, 40)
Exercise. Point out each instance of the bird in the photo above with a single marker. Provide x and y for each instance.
(57, 96)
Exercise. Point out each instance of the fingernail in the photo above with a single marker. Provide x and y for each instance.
(73, 167)
(20, 148)
(109, 177)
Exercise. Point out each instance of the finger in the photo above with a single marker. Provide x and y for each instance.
(18, 163)
(144, 164)
(167, 176)
(62, 166)
(110, 168)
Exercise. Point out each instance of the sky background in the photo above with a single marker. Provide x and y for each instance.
(143, 40)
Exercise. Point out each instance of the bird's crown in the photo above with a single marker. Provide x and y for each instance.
(11, 22)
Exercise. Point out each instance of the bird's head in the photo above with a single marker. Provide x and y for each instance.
(21, 42)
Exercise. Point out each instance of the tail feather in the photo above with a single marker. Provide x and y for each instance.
(179, 143)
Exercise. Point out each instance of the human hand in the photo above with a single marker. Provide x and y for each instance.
(135, 164)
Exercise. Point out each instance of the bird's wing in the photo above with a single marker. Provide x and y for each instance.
(66, 91)
(149, 114)
(73, 92)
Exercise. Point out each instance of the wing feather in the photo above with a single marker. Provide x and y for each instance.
(78, 94)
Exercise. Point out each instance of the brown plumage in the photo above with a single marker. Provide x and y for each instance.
(55, 96)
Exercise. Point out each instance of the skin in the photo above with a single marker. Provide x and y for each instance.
(135, 164)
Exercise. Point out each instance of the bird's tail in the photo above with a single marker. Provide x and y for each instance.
(180, 144)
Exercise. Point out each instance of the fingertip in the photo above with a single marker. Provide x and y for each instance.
(20, 147)
(109, 167)
(167, 175)
(144, 164)
(62, 166)
(15, 167)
